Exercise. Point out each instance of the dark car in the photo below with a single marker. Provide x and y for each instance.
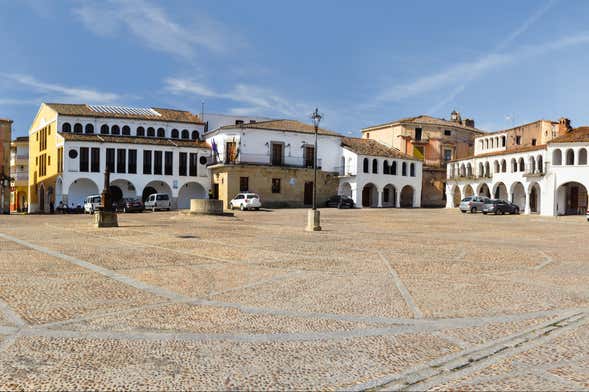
(130, 204)
(340, 202)
(501, 207)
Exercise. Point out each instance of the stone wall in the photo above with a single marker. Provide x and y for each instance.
(292, 184)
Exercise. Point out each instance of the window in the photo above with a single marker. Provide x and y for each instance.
(374, 166)
(42, 165)
(277, 154)
(157, 162)
(121, 160)
(243, 184)
(115, 130)
(182, 167)
(394, 168)
(385, 167)
(447, 154)
(193, 165)
(309, 153)
(78, 128)
(126, 130)
(132, 168)
(147, 162)
(518, 140)
(95, 160)
(175, 134)
(49, 160)
(83, 159)
(404, 169)
(169, 163)
(161, 132)
(412, 170)
(276, 185)
(447, 132)
(73, 154)
(185, 134)
(110, 159)
(104, 129)
(89, 128)
(195, 135)
(367, 135)
(59, 160)
(150, 132)
(365, 165)
(66, 127)
(533, 142)
(418, 132)
(140, 131)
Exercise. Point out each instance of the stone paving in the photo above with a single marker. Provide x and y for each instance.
(390, 299)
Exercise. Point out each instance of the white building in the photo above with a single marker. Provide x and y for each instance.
(549, 179)
(214, 120)
(374, 175)
(147, 150)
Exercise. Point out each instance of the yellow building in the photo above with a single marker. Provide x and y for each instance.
(5, 138)
(19, 172)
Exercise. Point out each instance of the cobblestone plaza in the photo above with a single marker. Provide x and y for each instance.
(382, 298)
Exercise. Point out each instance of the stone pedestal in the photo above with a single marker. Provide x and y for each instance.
(313, 220)
(105, 219)
(206, 206)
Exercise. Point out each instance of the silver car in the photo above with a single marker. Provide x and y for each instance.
(473, 204)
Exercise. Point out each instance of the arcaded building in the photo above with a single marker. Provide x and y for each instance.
(434, 141)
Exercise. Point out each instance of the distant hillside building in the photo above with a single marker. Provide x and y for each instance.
(434, 141)
(19, 172)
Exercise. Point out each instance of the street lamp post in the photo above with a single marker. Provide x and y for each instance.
(313, 216)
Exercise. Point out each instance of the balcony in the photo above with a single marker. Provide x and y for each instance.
(266, 160)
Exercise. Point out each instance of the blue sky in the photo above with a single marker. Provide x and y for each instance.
(361, 63)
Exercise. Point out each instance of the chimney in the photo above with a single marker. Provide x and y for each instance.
(564, 126)
(469, 122)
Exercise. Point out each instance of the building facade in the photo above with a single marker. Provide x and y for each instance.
(19, 173)
(147, 150)
(375, 175)
(434, 141)
(274, 159)
(5, 139)
(550, 178)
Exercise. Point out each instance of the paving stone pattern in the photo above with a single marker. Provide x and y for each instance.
(388, 299)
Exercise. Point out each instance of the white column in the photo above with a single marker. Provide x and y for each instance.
(379, 203)
(398, 198)
(528, 209)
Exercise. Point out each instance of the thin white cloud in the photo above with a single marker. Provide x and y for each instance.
(60, 92)
(152, 26)
(259, 100)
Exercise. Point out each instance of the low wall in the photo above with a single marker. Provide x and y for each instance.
(206, 206)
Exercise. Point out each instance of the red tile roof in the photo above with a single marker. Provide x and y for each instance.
(577, 135)
(373, 148)
(133, 140)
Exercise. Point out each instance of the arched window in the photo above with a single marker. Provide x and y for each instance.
(140, 131)
(492, 143)
(557, 157)
(496, 168)
(404, 169)
(374, 166)
(89, 128)
(151, 132)
(496, 142)
(78, 128)
(365, 168)
(385, 167)
(482, 143)
(185, 134)
(503, 166)
(540, 164)
(503, 140)
(115, 130)
(126, 130)
(469, 169)
(570, 157)
(522, 165)
(487, 143)
(66, 127)
(513, 165)
(104, 129)
(394, 168)
(195, 135)
(481, 170)
(412, 170)
(175, 134)
(487, 169)
(532, 165)
(582, 156)
(161, 132)
(462, 172)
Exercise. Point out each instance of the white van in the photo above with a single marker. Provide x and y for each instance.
(91, 204)
(158, 201)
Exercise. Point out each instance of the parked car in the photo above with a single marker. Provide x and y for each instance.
(246, 201)
(158, 201)
(340, 201)
(130, 204)
(91, 204)
(473, 204)
(501, 207)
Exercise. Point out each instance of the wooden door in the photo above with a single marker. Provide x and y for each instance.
(308, 197)
(276, 154)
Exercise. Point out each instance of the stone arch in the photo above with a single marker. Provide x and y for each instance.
(389, 196)
(534, 195)
(345, 189)
(369, 195)
(571, 199)
(156, 187)
(582, 156)
(518, 195)
(557, 157)
(500, 191)
(79, 190)
(483, 190)
(406, 198)
(188, 191)
(122, 189)
(570, 157)
(468, 191)
(456, 196)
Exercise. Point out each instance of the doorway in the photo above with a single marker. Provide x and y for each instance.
(277, 153)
